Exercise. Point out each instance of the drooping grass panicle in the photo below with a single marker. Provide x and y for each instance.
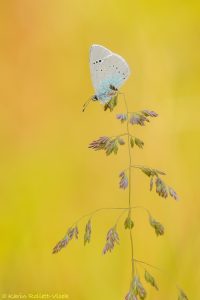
(123, 183)
(182, 295)
(109, 145)
(88, 231)
(137, 118)
(111, 239)
(150, 279)
(122, 117)
(71, 233)
(112, 103)
(162, 189)
(158, 227)
(128, 223)
(137, 290)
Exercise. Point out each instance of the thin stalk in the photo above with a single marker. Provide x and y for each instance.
(91, 214)
(94, 212)
(142, 207)
(123, 134)
(147, 264)
(140, 166)
(163, 272)
(129, 195)
(120, 216)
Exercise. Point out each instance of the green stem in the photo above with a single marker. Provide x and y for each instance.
(129, 197)
(147, 264)
(163, 272)
(120, 216)
(123, 134)
(94, 212)
(91, 214)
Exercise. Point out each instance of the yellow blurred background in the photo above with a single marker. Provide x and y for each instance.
(49, 177)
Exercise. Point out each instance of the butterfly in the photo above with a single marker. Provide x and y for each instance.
(108, 71)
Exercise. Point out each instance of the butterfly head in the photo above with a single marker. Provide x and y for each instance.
(94, 98)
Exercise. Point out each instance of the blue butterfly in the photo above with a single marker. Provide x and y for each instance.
(108, 72)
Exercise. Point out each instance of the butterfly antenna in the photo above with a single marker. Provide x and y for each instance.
(86, 104)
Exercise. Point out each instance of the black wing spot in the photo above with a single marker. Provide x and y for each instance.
(100, 60)
(96, 62)
(101, 70)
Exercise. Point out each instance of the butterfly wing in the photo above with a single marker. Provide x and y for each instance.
(107, 68)
(114, 72)
(97, 55)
